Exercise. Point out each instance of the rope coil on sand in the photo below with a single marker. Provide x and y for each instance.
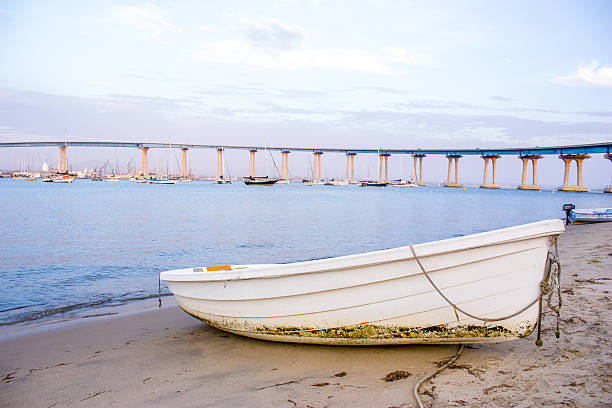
(550, 282)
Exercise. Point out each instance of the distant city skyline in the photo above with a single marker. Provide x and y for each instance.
(406, 74)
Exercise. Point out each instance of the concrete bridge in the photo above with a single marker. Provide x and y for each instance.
(568, 154)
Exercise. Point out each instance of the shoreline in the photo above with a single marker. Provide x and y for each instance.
(138, 355)
(30, 327)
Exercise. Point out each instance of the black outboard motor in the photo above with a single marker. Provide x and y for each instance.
(568, 211)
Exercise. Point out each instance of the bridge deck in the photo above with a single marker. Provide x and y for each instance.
(605, 148)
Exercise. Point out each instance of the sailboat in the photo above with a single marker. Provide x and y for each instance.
(95, 175)
(336, 181)
(164, 178)
(22, 174)
(261, 181)
(305, 181)
(372, 183)
(60, 176)
(115, 177)
(401, 182)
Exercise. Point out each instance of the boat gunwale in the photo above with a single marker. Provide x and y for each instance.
(267, 271)
(368, 283)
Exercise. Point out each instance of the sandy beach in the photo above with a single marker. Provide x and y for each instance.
(146, 357)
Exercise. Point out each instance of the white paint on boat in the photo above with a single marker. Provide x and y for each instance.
(591, 215)
(380, 297)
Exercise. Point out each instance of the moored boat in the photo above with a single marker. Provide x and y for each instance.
(373, 184)
(333, 182)
(260, 181)
(115, 176)
(163, 179)
(21, 175)
(59, 178)
(382, 297)
(403, 183)
(590, 215)
(222, 180)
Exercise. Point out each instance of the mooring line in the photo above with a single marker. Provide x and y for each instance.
(415, 391)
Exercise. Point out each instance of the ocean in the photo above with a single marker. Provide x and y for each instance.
(66, 249)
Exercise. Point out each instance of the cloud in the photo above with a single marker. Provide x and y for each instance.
(270, 34)
(137, 117)
(435, 105)
(500, 98)
(274, 44)
(147, 18)
(591, 74)
(596, 113)
(243, 52)
(402, 55)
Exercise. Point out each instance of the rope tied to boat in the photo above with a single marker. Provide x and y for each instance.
(550, 282)
(415, 390)
(159, 288)
(555, 278)
(544, 285)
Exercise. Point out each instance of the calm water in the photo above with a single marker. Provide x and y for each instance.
(65, 248)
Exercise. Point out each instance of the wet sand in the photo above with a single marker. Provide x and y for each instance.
(153, 358)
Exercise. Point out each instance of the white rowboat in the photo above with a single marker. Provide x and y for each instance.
(380, 297)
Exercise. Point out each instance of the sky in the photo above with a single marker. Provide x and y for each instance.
(369, 74)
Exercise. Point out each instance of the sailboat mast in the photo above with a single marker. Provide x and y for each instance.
(170, 158)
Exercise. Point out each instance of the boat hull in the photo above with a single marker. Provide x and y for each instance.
(380, 297)
(263, 181)
(64, 179)
(404, 185)
(591, 215)
(373, 184)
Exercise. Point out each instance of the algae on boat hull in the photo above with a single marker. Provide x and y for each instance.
(371, 331)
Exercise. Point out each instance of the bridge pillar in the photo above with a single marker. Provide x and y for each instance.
(62, 165)
(219, 174)
(567, 159)
(450, 158)
(608, 189)
(383, 160)
(144, 163)
(418, 177)
(534, 162)
(252, 162)
(348, 164)
(350, 159)
(184, 168)
(316, 170)
(493, 158)
(285, 165)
